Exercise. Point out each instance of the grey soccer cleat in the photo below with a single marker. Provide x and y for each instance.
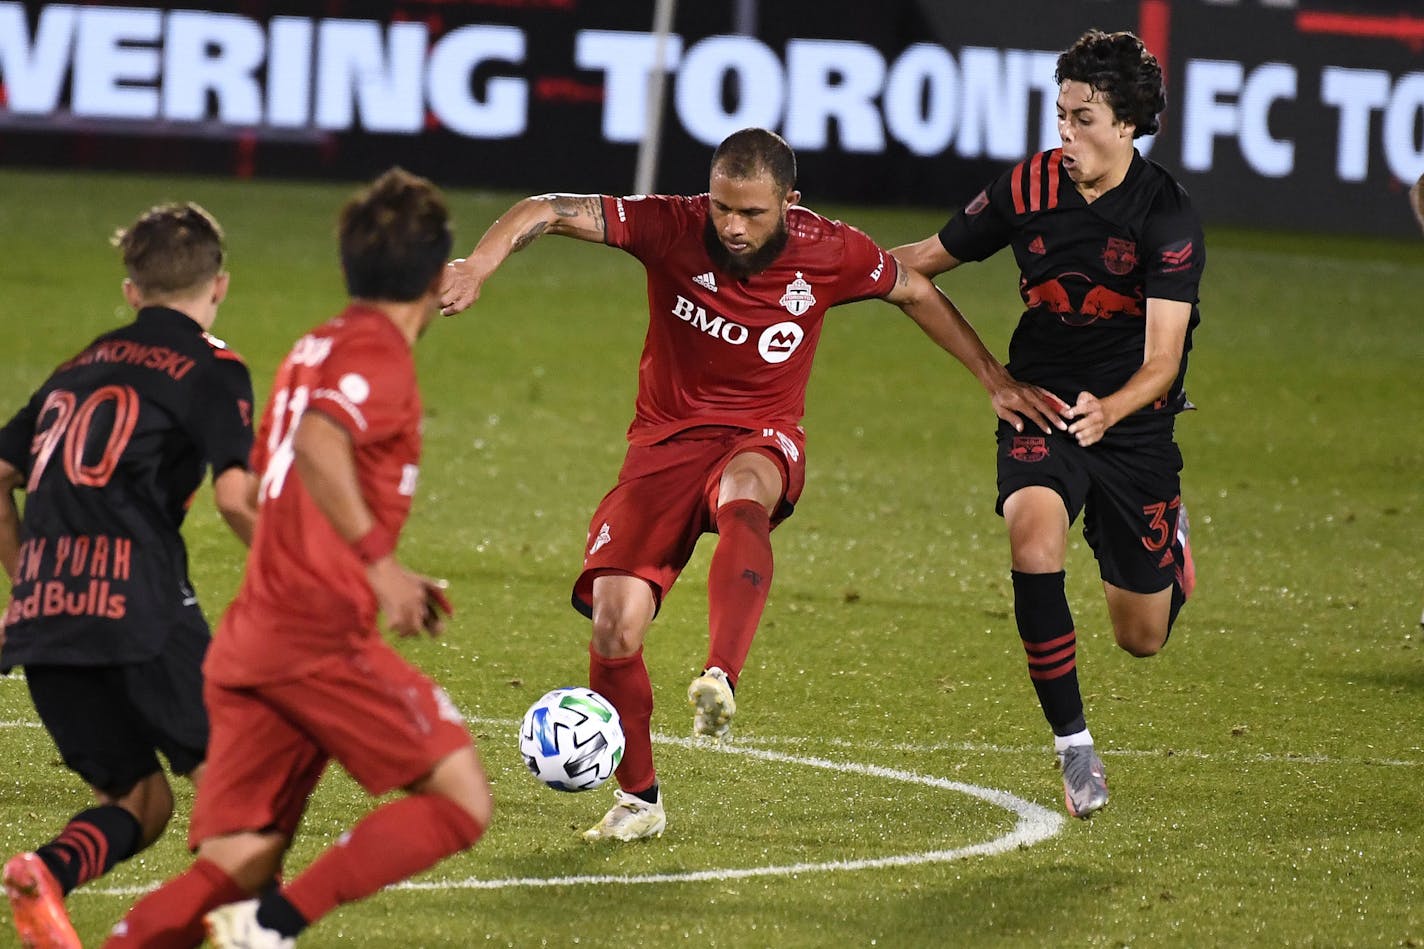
(1085, 783)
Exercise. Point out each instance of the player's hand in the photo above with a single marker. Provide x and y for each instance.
(437, 606)
(460, 286)
(1091, 419)
(1016, 401)
(401, 594)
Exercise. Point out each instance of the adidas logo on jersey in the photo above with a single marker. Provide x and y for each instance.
(706, 280)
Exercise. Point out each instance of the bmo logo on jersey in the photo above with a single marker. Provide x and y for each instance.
(718, 326)
(776, 344)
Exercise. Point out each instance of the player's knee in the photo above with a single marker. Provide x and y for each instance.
(614, 635)
(150, 801)
(1140, 640)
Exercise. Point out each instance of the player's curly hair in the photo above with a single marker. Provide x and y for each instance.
(171, 248)
(395, 238)
(1119, 66)
(748, 152)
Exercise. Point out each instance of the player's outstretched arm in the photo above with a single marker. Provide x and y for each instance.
(569, 215)
(927, 256)
(932, 311)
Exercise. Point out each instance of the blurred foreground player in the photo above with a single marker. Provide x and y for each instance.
(299, 673)
(109, 452)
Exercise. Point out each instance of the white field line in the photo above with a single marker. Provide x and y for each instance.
(1034, 824)
(970, 747)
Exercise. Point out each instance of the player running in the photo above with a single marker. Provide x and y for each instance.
(299, 673)
(1111, 253)
(739, 281)
(109, 452)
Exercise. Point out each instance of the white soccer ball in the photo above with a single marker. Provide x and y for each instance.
(572, 739)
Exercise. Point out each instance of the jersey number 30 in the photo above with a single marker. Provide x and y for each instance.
(64, 419)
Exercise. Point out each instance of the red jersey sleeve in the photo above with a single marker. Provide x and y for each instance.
(867, 270)
(646, 225)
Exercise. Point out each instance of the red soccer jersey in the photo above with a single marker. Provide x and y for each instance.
(723, 351)
(305, 596)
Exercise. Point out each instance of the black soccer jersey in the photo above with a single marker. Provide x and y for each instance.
(112, 447)
(1086, 273)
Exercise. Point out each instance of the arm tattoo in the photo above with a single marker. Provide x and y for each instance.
(577, 205)
(527, 238)
(902, 278)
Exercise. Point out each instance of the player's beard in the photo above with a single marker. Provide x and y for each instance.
(744, 265)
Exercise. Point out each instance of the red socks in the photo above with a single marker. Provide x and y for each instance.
(737, 583)
(171, 917)
(625, 683)
(395, 841)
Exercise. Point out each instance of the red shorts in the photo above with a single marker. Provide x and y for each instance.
(380, 717)
(666, 498)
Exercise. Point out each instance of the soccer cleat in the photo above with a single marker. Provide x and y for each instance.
(1085, 783)
(37, 904)
(710, 694)
(235, 926)
(1186, 567)
(631, 818)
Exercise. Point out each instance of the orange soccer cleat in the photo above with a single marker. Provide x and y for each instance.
(37, 905)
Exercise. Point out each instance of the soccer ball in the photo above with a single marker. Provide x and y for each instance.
(572, 739)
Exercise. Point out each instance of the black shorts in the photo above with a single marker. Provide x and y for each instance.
(107, 721)
(1129, 498)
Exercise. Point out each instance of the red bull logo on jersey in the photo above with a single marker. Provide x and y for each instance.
(1120, 256)
(798, 297)
(1077, 301)
(1028, 448)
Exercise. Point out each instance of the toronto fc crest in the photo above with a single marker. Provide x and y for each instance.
(1120, 256)
(798, 297)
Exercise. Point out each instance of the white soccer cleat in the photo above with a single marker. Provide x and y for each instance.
(710, 695)
(631, 818)
(235, 926)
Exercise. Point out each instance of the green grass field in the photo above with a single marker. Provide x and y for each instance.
(891, 783)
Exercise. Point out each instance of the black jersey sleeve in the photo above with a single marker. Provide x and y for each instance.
(985, 226)
(17, 437)
(220, 421)
(1174, 247)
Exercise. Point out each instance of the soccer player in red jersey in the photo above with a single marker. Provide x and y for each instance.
(1111, 254)
(739, 281)
(299, 673)
(109, 452)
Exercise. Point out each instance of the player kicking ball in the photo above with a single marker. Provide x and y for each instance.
(739, 281)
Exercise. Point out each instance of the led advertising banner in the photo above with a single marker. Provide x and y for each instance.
(1291, 118)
